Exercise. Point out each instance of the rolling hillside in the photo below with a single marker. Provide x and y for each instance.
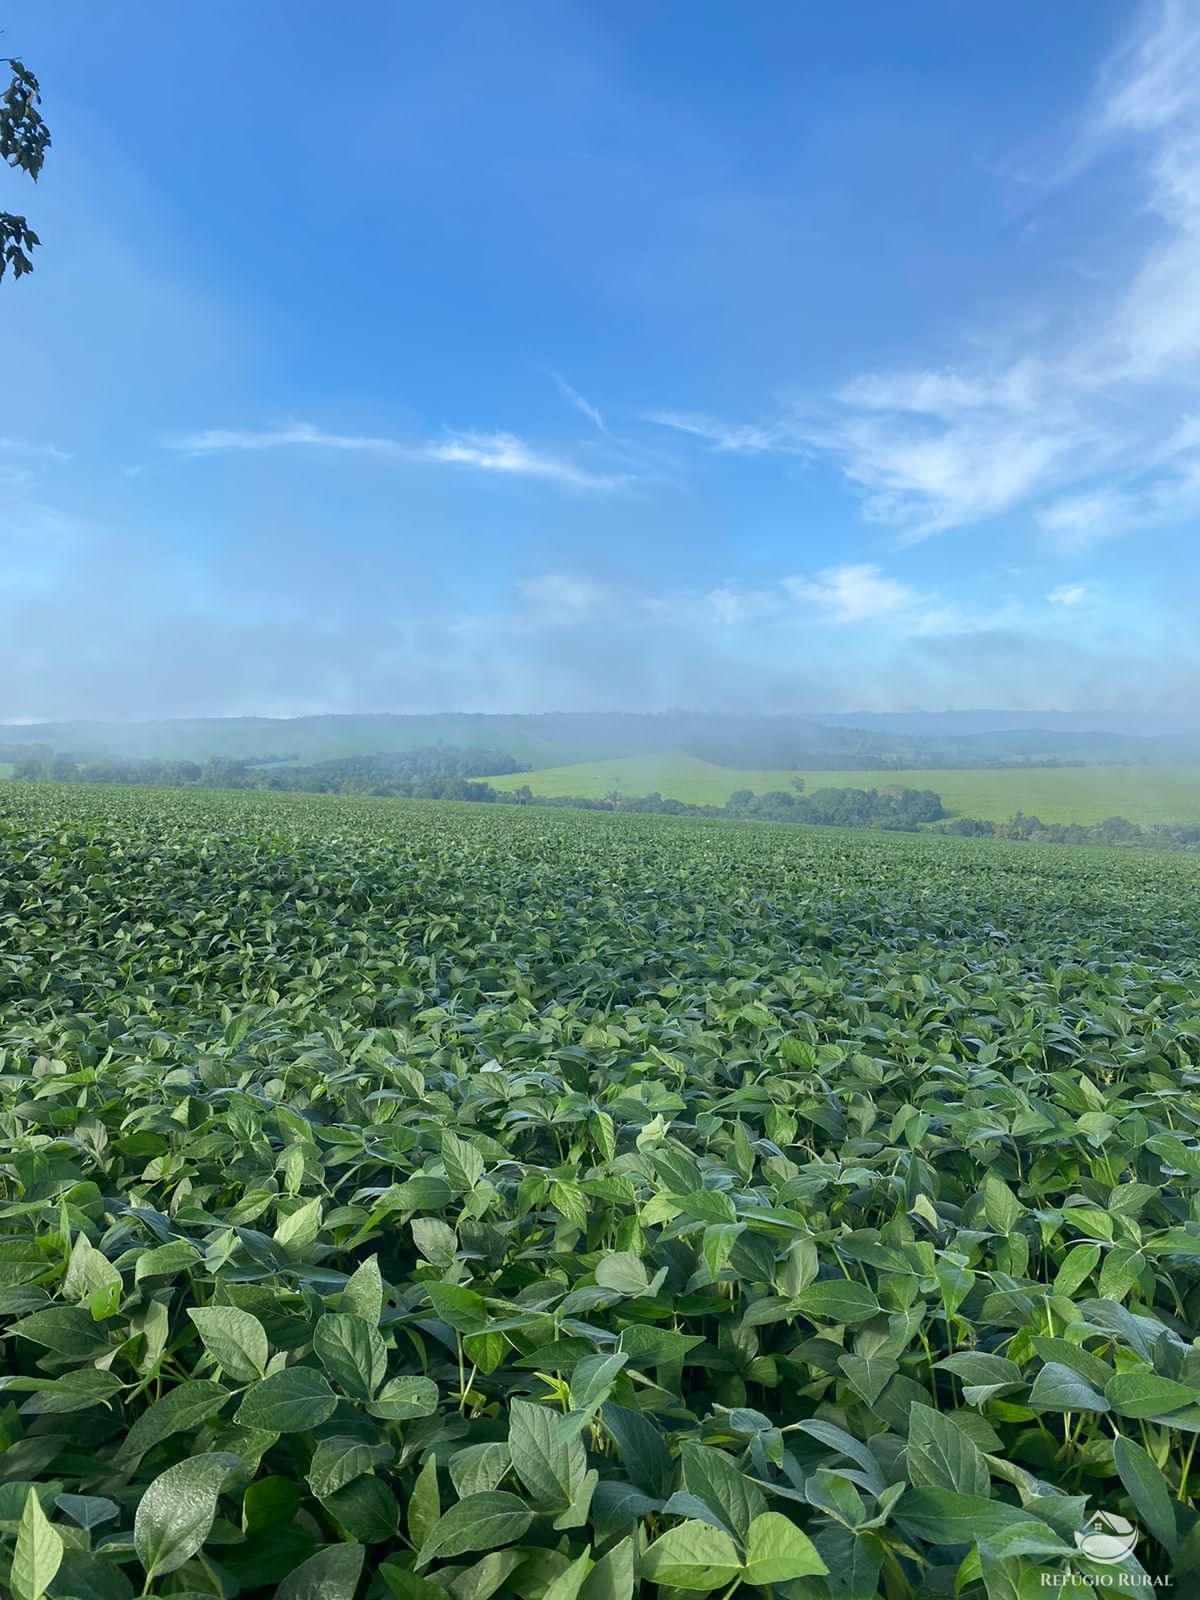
(1067, 794)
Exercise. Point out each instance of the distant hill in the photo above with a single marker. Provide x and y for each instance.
(865, 741)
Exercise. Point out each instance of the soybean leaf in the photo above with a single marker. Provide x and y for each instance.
(837, 1300)
(551, 1467)
(180, 1410)
(480, 1522)
(714, 1478)
(1148, 1490)
(692, 1556)
(331, 1574)
(38, 1554)
(236, 1340)
(176, 1513)
(777, 1551)
(295, 1400)
(352, 1352)
(941, 1456)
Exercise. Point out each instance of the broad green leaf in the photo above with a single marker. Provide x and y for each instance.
(405, 1585)
(1145, 1394)
(352, 1352)
(77, 1390)
(66, 1330)
(692, 1556)
(176, 1513)
(87, 1510)
(1076, 1267)
(643, 1450)
(486, 1577)
(551, 1467)
(1147, 1488)
(181, 1410)
(331, 1574)
(38, 1554)
(622, 1272)
(365, 1510)
(837, 1300)
(363, 1294)
(463, 1163)
(299, 1228)
(236, 1340)
(295, 1400)
(592, 1380)
(89, 1271)
(480, 1522)
(268, 1502)
(612, 1578)
(338, 1460)
(463, 1309)
(480, 1467)
(568, 1584)
(939, 1455)
(777, 1551)
(644, 1346)
(714, 1477)
(436, 1241)
(402, 1399)
(424, 1506)
(943, 1517)
(1000, 1206)
(868, 1376)
(1059, 1388)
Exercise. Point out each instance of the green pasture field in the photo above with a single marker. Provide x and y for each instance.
(1055, 794)
(407, 1201)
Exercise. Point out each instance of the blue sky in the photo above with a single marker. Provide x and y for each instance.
(559, 355)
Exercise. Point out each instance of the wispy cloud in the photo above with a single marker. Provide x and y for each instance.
(1068, 594)
(210, 441)
(581, 403)
(740, 438)
(941, 449)
(859, 593)
(1070, 425)
(34, 452)
(487, 452)
(505, 453)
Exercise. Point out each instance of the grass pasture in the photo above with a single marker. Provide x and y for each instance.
(402, 1201)
(1145, 795)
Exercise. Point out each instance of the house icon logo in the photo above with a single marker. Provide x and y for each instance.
(1107, 1538)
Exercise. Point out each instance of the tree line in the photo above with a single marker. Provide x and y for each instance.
(1112, 831)
(444, 772)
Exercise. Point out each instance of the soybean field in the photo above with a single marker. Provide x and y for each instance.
(405, 1201)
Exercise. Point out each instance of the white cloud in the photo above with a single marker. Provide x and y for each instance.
(1068, 594)
(853, 593)
(741, 438)
(487, 452)
(214, 440)
(732, 606)
(1071, 424)
(925, 479)
(580, 402)
(504, 452)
